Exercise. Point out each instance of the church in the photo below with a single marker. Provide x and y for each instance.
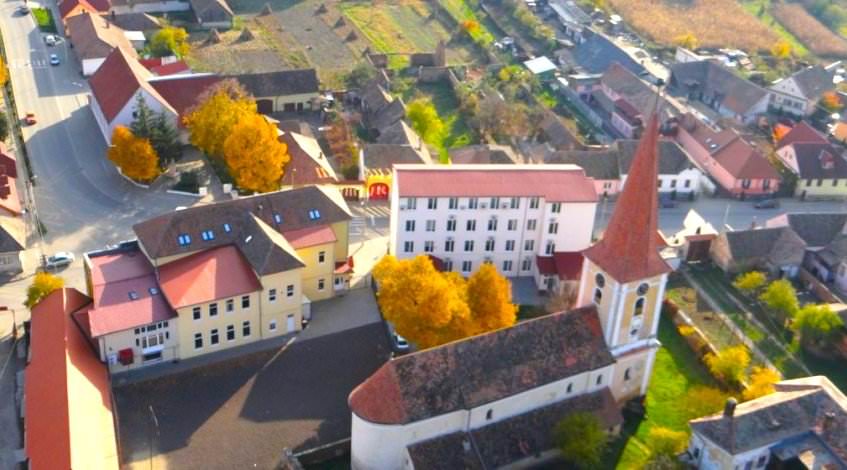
(492, 401)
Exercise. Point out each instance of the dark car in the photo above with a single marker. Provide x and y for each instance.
(766, 204)
(667, 203)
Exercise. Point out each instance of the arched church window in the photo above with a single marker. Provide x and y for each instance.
(598, 296)
(599, 280)
(643, 288)
(639, 306)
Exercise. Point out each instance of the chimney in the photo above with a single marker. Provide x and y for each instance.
(729, 408)
(828, 422)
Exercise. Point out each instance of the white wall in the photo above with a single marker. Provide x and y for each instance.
(693, 175)
(575, 223)
(89, 66)
(712, 457)
(124, 116)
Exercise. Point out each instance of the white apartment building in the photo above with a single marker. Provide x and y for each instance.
(507, 215)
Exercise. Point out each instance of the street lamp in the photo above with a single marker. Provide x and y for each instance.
(4, 308)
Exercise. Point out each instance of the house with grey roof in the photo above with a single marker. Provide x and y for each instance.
(485, 154)
(800, 92)
(283, 90)
(719, 88)
(12, 242)
(594, 53)
(778, 251)
(625, 101)
(609, 166)
(212, 13)
(802, 424)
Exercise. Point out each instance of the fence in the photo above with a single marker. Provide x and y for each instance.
(817, 287)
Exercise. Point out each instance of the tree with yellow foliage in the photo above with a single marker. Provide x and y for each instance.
(254, 155)
(831, 102)
(729, 365)
(4, 72)
(43, 284)
(211, 121)
(133, 155)
(490, 300)
(782, 49)
(687, 40)
(425, 306)
(762, 380)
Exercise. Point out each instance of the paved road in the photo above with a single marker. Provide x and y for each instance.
(81, 199)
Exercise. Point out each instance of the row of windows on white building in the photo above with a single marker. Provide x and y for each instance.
(431, 225)
(467, 266)
(454, 203)
(489, 246)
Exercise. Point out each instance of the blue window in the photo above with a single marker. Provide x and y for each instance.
(314, 214)
(277, 218)
(227, 228)
(208, 235)
(184, 239)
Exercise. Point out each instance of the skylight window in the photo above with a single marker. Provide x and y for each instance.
(208, 235)
(184, 239)
(314, 214)
(153, 291)
(277, 218)
(133, 295)
(227, 228)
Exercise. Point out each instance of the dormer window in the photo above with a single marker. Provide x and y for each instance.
(314, 214)
(227, 228)
(277, 218)
(184, 239)
(133, 295)
(153, 291)
(208, 235)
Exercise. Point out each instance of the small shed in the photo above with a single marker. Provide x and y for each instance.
(541, 67)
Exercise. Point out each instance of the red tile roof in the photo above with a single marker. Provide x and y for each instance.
(556, 183)
(8, 160)
(67, 7)
(69, 421)
(310, 236)
(802, 132)
(182, 91)
(113, 277)
(743, 161)
(566, 264)
(211, 274)
(161, 68)
(11, 202)
(116, 82)
(629, 250)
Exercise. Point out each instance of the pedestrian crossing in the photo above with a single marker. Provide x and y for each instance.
(29, 64)
(371, 211)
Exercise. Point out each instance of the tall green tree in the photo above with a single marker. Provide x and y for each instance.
(750, 282)
(170, 40)
(582, 440)
(425, 120)
(781, 297)
(816, 324)
(4, 127)
(156, 127)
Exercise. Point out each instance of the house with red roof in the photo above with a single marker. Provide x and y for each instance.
(490, 401)
(736, 165)
(820, 167)
(307, 164)
(69, 420)
(115, 89)
(12, 225)
(69, 8)
(504, 214)
(93, 37)
(209, 278)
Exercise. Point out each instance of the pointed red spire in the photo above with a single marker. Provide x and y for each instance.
(628, 250)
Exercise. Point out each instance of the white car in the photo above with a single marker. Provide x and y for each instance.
(60, 259)
(54, 59)
(51, 40)
(400, 343)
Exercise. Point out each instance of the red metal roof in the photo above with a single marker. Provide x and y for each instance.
(310, 236)
(117, 80)
(93, 6)
(217, 273)
(629, 249)
(556, 183)
(182, 91)
(126, 294)
(69, 421)
(802, 132)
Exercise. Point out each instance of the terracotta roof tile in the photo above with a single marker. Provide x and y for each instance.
(628, 249)
(565, 264)
(217, 273)
(69, 421)
(183, 91)
(310, 236)
(802, 132)
(94, 37)
(482, 369)
(556, 183)
(116, 81)
(94, 6)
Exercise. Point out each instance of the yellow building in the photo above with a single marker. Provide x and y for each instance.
(212, 277)
(820, 167)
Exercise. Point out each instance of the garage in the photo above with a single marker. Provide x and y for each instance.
(265, 106)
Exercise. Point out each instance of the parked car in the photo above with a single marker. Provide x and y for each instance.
(29, 119)
(59, 260)
(51, 40)
(23, 10)
(54, 59)
(400, 343)
(766, 204)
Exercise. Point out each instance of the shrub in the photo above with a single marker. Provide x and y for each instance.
(702, 401)
(750, 282)
(4, 127)
(762, 380)
(781, 297)
(581, 439)
(729, 365)
(665, 441)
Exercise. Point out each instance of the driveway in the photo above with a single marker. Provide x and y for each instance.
(242, 413)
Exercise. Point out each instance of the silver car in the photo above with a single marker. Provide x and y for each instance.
(59, 260)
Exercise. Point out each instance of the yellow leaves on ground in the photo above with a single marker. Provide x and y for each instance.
(430, 308)
(133, 155)
(254, 155)
(211, 121)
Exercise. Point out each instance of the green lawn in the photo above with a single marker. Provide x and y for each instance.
(676, 371)
(457, 134)
(461, 11)
(44, 19)
(396, 27)
(763, 6)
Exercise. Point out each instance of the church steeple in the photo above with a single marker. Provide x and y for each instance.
(628, 249)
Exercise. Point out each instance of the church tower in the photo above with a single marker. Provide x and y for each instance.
(624, 275)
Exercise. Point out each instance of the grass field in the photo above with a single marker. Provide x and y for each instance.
(814, 35)
(715, 23)
(457, 133)
(399, 26)
(44, 19)
(461, 11)
(676, 371)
